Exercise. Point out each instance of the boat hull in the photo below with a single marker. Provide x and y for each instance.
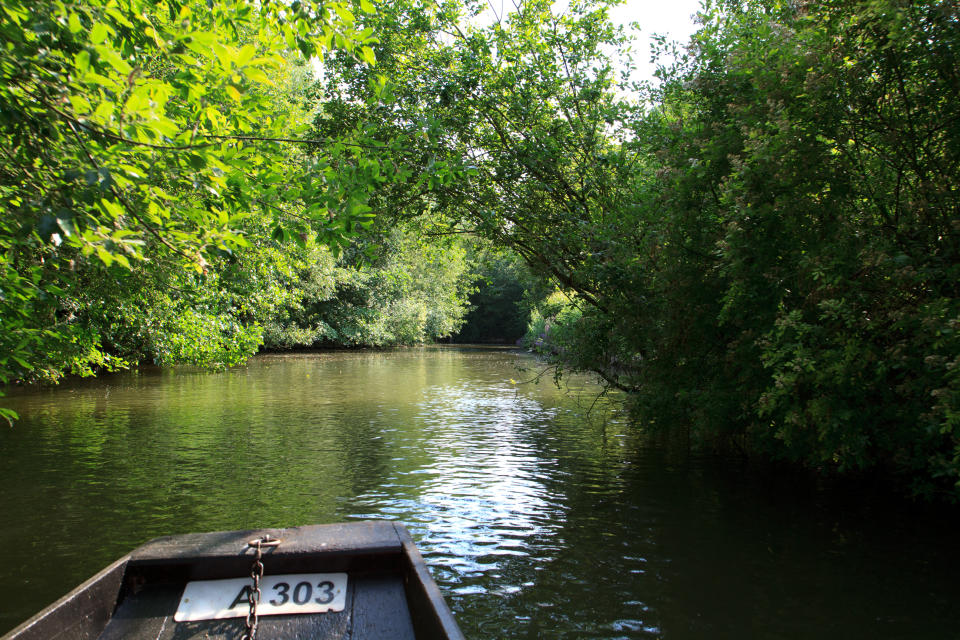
(390, 593)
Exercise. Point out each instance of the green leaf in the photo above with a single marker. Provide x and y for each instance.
(119, 17)
(111, 208)
(245, 55)
(104, 111)
(225, 55)
(367, 6)
(16, 16)
(163, 126)
(80, 105)
(99, 33)
(368, 55)
(105, 256)
(82, 61)
(257, 75)
(113, 59)
(236, 239)
(306, 47)
(9, 415)
(74, 23)
(345, 14)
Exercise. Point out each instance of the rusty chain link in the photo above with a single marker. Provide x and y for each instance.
(256, 575)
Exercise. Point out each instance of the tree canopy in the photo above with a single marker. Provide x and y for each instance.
(139, 139)
(761, 248)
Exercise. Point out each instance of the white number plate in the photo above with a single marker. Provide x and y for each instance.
(285, 594)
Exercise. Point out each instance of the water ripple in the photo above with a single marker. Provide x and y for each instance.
(484, 495)
(540, 514)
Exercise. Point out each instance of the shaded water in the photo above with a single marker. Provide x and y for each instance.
(538, 512)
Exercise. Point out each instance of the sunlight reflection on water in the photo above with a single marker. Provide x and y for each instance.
(541, 513)
(484, 496)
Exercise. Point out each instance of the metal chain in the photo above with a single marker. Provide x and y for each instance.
(256, 575)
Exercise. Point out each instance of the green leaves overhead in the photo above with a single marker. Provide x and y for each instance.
(137, 132)
(765, 252)
(513, 128)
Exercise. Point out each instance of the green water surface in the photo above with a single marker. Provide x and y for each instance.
(540, 512)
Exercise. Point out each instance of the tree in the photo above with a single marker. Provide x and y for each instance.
(138, 136)
(767, 253)
(392, 287)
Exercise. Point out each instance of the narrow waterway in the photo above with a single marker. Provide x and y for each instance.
(539, 511)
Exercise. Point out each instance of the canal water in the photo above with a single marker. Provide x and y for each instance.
(539, 510)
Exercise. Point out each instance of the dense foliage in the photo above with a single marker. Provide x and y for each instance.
(136, 137)
(822, 150)
(506, 292)
(765, 253)
(162, 194)
(401, 291)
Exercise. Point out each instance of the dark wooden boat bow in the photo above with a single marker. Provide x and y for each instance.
(390, 593)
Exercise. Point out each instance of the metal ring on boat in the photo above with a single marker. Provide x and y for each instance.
(265, 541)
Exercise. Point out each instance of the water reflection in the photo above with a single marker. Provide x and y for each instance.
(540, 513)
(481, 495)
